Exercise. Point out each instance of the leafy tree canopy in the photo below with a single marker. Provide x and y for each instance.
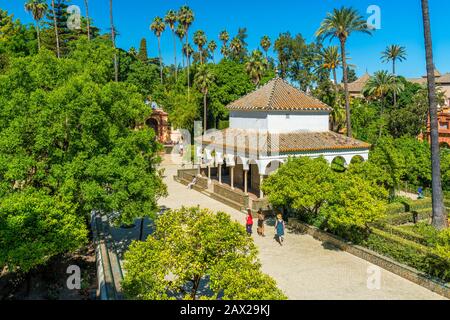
(196, 254)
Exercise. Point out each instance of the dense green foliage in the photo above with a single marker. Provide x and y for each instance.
(196, 254)
(71, 135)
(345, 203)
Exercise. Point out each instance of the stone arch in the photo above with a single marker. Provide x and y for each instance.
(357, 159)
(272, 166)
(444, 145)
(339, 164)
(154, 124)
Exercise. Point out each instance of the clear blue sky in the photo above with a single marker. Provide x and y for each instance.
(401, 24)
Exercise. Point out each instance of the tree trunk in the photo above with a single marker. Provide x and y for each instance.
(204, 113)
(113, 39)
(393, 72)
(336, 96)
(383, 100)
(439, 220)
(38, 31)
(188, 61)
(347, 97)
(175, 54)
(86, 3)
(160, 59)
(58, 51)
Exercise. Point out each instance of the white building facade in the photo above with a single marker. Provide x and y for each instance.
(269, 125)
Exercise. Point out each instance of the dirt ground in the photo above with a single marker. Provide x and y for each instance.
(49, 282)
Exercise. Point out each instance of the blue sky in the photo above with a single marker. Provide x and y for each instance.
(400, 24)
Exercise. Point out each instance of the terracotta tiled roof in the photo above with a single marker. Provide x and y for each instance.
(277, 95)
(299, 141)
(358, 85)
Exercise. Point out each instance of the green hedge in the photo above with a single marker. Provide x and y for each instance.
(406, 217)
(407, 252)
(405, 234)
(395, 207)
(415, 205)
(397, 248)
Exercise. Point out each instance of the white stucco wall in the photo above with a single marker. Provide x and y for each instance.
(305, 121)
(280, 121)
(248, 120)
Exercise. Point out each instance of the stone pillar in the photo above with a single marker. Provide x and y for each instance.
(209, 173)
(261, 179)
(232, 177)
(245, 181)
(220, 173)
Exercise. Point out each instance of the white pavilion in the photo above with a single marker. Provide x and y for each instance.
(269, 125)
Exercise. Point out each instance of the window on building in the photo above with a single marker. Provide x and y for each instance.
(443, 125)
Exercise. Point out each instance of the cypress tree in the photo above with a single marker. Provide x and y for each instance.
(143, 55)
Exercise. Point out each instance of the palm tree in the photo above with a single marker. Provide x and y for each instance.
(439, 220)
(224, 37)
(171, 18)
(331, 60)
(256, 66)
(236, 47)
(203, 80)
(113, 39)
(37, 9)
(379, 86)
(181, 32)
(265, 44)
(200, 40)
(188, 51)
(212, 46)
(58, 50)
(341, 24)
(186, 18)
(393, 53)
(86, 4)
(158, 26)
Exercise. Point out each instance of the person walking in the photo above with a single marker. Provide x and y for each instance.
(249, 222)
(261, 219)
(279, 229)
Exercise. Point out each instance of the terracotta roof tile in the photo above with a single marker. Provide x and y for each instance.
(277, 95)
(299, 141)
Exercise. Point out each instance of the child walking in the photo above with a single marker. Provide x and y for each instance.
(279, 228)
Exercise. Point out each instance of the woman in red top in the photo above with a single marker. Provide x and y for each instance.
(249, 222)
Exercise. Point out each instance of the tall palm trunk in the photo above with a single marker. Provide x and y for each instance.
(38, 31)
(175, 54)
(86, 3)
(347, 98)
(113, 39)
(439, 220)
(58, 50)
(336, 97)
(205, 116)
(160, 59)
(394, 73)
(188, 62)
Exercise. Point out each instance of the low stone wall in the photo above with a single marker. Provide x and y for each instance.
(404, 271)
(235, 196)
(262, 204)
(187, 175)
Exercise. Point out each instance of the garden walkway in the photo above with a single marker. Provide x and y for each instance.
(304, 268)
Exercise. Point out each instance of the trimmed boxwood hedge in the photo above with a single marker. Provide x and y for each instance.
(405, 234)
(407, 252)
(395, 207)
(406, 217)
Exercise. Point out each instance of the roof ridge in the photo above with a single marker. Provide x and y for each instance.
(269, 102)
(307, 94)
